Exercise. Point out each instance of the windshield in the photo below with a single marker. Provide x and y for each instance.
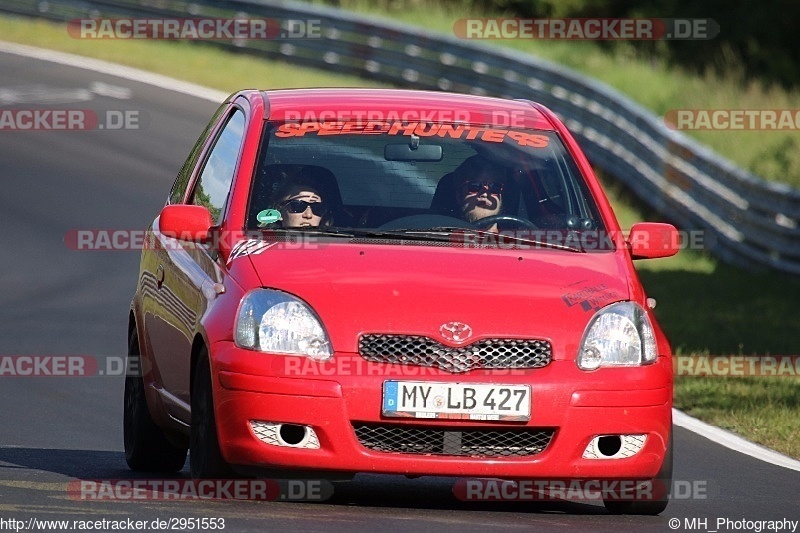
(420, 181)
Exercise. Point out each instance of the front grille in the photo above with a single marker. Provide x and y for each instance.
(463, 442)
(424, 351)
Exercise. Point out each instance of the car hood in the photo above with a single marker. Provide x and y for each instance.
(403, 289)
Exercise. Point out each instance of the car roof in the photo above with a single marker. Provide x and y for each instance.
(336, 104)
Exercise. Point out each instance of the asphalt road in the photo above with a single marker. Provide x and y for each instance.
(55, 301)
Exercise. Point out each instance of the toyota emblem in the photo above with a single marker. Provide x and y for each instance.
(455, 331)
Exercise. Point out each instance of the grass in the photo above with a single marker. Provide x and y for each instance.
(754, 407)
(704, 306)
(773, 155)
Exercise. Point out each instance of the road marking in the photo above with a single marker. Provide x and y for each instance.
(111, 91)
(46, 94)
(733, 441)
(33, 485)
(113, 69)
(42, 94)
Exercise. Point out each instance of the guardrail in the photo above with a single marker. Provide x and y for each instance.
(751, 222)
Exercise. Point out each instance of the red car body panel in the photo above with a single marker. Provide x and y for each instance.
(410, 289)
(394, 298)
(390, 289)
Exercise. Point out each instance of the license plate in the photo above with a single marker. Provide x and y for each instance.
(466, 401)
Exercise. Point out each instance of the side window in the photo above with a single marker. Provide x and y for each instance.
(185, 173)
(215, 181)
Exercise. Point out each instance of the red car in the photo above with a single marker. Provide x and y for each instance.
(399, 282)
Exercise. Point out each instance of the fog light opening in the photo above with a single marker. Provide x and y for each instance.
(609, 445)
(292, 434)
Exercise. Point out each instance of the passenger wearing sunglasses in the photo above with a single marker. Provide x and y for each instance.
(480, 191)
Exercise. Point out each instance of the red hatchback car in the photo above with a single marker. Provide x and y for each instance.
(400, 282)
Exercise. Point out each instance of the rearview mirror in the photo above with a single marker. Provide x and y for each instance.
(185, 222)
(410, 152)
(650, 240)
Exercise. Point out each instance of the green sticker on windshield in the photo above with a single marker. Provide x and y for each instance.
(268, 216)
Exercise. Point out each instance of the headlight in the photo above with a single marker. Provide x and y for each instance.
(277, 322)
(618, 335)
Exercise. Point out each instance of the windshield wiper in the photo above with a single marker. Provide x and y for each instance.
(310, 230)
(406, 234)
(490, 238)
(448, 234)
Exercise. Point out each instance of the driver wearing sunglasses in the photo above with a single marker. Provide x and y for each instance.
(480, 191)
(302, 206)
(298, 197)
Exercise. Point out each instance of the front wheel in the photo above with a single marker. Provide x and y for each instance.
(146, 446)
(205, 456)
(661, 488)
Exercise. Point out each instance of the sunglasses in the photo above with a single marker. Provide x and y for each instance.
(299, 206)
(476, 186)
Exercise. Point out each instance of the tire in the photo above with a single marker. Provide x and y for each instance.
(146, 446)
(662, 487)
(205, 456)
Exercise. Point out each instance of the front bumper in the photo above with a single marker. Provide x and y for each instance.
(334, 396)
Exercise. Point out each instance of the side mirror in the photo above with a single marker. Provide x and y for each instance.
(650, 240)
(185, 222)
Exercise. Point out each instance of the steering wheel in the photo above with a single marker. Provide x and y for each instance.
(489, 221)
